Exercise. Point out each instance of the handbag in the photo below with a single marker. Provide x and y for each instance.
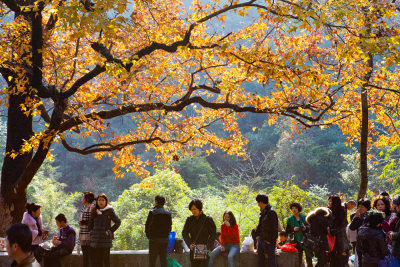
(331, 241)
(311, 242)
(200, 251)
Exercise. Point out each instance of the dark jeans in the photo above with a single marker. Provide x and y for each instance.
(52, 259)
(269, 249)
(322, 258)
(158, 249)
(308, 257)
(100, 257)
(86, 255)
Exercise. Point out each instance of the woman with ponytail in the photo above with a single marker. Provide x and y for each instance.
(33, 220)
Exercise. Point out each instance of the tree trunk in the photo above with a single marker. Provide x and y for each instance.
(19, 128)
(364, 133)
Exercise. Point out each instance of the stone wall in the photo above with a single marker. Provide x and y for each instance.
(137, 258)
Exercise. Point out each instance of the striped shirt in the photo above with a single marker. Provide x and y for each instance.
(84, 233)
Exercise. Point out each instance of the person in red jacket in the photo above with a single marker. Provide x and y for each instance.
(230, 240)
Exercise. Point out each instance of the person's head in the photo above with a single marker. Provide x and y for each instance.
(18, 240)
(364, 205)
(196, 207)
(296, 208)
(87, 197)
(283, 236)
(228, 216)
(374, 218)
(33, 209)
(385, 194)
(159, 200)
(101, 201)
(396, 204)
(351, 204)
(262, 200)
(381, 203)
(61, 220)
(335, 203)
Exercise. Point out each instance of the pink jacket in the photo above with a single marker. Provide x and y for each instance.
(31, 222)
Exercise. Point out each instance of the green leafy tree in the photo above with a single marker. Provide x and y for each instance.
(281, 196)
(47, 191)
(133, 206)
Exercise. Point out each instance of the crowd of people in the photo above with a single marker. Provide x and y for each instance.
(372, 235)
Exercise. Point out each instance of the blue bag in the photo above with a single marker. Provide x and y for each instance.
(171, 242)
(393, 262)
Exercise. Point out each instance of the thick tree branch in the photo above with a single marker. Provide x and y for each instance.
(12, 5)
(107, 147)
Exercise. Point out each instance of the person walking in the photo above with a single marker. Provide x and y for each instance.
(84, 234)
(198, 232)
(157, 228)
(230, 240)
(18, 246)
(267, 232)
(319, 221)
(101, 231)
(296, 225)
(33, 219)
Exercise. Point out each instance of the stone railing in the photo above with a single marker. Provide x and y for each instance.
(139, 258)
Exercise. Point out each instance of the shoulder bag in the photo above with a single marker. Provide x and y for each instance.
(200, 251)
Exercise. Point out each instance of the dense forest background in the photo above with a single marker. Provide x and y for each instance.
(288, 166)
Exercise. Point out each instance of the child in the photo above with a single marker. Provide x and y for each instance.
(283, 239)
(63, 244)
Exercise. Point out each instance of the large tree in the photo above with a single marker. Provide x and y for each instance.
(76, 68)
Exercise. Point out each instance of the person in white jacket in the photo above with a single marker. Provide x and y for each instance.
(33, 220)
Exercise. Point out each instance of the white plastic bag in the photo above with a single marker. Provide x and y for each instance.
(247, 244)
(351, 234)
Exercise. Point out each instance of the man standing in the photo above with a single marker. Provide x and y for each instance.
(267, 232)
(18, 245)
(158, 226)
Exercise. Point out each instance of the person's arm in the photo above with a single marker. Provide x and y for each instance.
(289, 228)
(212, 231)
(272, 226)
(169, 222)
(147, 227)
(116, 220)
(355, 223)
(186, 231)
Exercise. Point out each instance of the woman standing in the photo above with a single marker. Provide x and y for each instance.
(230, 240)
(382, 204)
(296, 224)
(33, 219)
(340, 252)
(319, 220)
(199, 231)
(84, 234)
(101, 231)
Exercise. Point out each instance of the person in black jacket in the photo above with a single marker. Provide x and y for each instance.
(157, 228)
(371, 240)
(395, 234)
(339, 255)
(199, 229)
(267, 232)
(358, 219)
(319, 221)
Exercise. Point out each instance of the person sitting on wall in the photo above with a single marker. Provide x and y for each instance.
(63, 244)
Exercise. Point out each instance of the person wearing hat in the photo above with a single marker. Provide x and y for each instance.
(395, 234)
